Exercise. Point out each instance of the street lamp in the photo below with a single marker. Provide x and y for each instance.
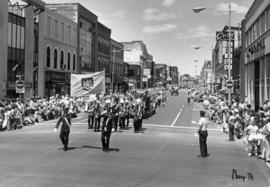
(199, 9)
(114, 52)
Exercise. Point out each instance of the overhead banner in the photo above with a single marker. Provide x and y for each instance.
(87, 84)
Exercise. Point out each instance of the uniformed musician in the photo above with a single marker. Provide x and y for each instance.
(65, 122)
(122, 114)
(90, 110)
(106, 128)
(97, 116)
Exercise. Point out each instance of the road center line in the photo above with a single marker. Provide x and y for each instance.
(173, 123)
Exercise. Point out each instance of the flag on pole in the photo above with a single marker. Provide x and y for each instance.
(87, 84)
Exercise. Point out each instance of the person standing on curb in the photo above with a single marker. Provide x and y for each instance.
(65, 122)
(202, 132)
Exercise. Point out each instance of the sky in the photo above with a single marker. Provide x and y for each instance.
(169, 28)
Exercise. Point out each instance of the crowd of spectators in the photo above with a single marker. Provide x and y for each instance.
(17, 113)
(240, 120)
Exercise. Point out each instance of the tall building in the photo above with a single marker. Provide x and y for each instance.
(57, 53)
(174, 74)
(19, 46)
(87, 37)
(136, 56)
(221, 54)
(256, 28)
(207, 75)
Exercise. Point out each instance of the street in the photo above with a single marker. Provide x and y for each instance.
(165, 154)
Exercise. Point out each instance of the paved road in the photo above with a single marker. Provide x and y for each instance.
(164, 155)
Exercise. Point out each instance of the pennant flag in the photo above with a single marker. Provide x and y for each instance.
(87, 84)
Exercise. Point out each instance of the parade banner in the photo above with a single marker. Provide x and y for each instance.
(87, 84)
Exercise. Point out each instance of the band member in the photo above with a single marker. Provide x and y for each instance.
(115, 113)
(122, 115)
(127, 113)
(90, 110)
(106, 128)
(65, 122)
(137, 117)
(97, 116)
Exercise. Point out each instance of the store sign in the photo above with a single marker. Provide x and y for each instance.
(147, 73)
(258, 46)
(224, 36)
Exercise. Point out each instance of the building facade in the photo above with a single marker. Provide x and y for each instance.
(87, 37)
(57, 53)
(221, 54)
(257, 52)
(161, 74)
(104, 52)
(207, 75)
(19, 47)
(117, 65)
(174, 74)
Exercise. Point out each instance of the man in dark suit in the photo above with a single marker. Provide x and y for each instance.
(65, 122)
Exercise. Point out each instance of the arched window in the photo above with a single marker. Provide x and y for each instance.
(48, 57)
(68, 62)
(62, 60)
(55, 59)
(74, 62)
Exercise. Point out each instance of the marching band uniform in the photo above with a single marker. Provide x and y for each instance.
(137, 118)
(65, 121)
(122, 117)
(127, 113)
(90, 110)
(115, 112)
(106, 129)
(97, 117)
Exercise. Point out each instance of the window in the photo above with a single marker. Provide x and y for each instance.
(75, 37)
(14, 32)
(69, 34)
(48, 57)
(68, 62)
(74, 62)
(56, 29)
(49, 26)
(22, 38)
(9, 34)
(55, 59)
(62, 31)
(62, 60)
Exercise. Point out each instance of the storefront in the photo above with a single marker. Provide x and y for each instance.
(257, 53)
(57, 83)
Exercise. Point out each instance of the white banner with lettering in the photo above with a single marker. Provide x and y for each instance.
(87, 84)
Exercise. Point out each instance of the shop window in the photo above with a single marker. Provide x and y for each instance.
(55, 59)
(74, 62)
(48, 57)
(62, 60)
